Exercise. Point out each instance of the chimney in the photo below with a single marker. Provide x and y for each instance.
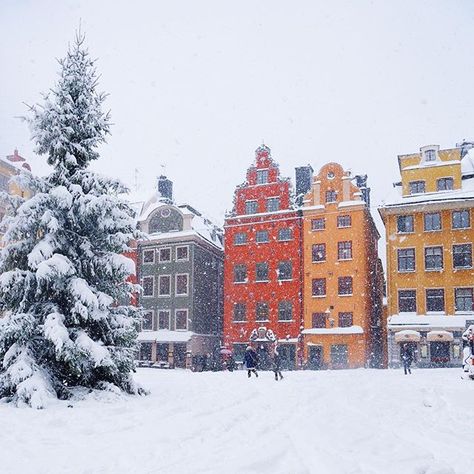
(165, 189)
(361, 183)
(304, 177)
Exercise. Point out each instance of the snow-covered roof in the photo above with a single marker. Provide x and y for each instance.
(348, 330)
(412, 320)
(467, 163)
(165, 335)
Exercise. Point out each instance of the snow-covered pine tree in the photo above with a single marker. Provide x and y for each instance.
(62, 269)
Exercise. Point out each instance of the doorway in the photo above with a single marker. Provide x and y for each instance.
(315, 357)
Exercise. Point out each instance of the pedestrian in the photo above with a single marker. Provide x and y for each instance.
(251, 361)
(277, 364)
(407, 358)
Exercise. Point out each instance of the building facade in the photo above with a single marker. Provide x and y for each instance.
(342, 274)
(180, 268)
(429, 235)
(262, 269)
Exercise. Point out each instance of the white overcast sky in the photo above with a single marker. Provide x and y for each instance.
(196, 85)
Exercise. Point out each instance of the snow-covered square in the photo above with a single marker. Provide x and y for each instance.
(361, 421)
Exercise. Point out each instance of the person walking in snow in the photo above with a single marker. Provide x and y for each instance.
(407, 358)
(251, 361)
(277, 364)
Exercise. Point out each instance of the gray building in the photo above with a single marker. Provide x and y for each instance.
(180, 268)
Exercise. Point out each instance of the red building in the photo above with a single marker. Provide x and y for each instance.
(262, 268)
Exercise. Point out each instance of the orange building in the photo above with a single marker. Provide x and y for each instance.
(429, 227)
(343, 278)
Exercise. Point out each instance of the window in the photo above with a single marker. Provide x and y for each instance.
(182, 253)
(435, 300)
(164, 285)
(319, 320)
(240, 312)
(417, 187)
(181, 319)
(285, 311)
(430, 155)
(344, 285)
(261, 271)
(148, 284)
(145, 351)
(318, 224)
(163, 319)
(462, 256)
(445, 184)
(285, 271)
(250, 207)
(147, 321)
(148, 256)
(273, 204)
(164, 254)
(182, 284)
(407, 301)
(262, 236)
(344, 250)
(240, 273)
(345, 320)
(240, 238)
(464, 300)
(432, 221)
(319, 287)
(406, 260)
(405, 224)
(331, 196)
(461, 219)
(4, 180)
(262, 176)
(433, 258)
(319, 252)
(285, 234)
(261, 311)
(344, 221)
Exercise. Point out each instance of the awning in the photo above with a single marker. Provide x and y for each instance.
(442, 336)
(407, 335)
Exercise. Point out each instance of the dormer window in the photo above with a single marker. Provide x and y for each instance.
(262, 176)
(430, 155)
(417, 187)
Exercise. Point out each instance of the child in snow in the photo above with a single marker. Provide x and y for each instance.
(277, 364)
(407, 357)
(251, 361)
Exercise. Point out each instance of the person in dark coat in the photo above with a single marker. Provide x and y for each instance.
(407, 358)
(251, 361)
(277, 364)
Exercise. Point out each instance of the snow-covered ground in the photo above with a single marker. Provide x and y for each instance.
(360, 421)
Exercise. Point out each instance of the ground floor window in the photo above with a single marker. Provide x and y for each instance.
(239, 352)
(180, 355)
(440, 352)
(162, 352)
(315, 357)
(339, 356)
(145, 351)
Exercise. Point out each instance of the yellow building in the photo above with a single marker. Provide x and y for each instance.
(9, 167)
(429, 235)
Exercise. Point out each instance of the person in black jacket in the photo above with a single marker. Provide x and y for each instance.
(251, 361)
(277, 364)
(407, 358)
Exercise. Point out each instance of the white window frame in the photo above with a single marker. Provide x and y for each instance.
(176, 284)
(262, 170)
(175, 318)
(158, 319)
(187, 252)
(152, 320)
(159, 254)
(159, 285)
(256, 207)
(153, 286)
(143, 256)
(270, 198)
